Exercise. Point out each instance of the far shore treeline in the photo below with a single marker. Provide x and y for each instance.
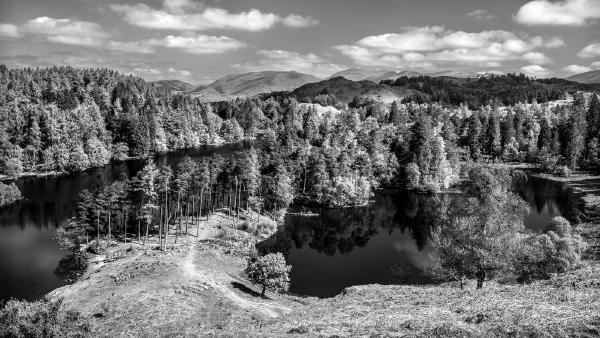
(70, 119)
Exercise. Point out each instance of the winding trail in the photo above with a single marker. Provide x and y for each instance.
(220, 280)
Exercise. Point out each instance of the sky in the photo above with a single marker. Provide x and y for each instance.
(199, 41)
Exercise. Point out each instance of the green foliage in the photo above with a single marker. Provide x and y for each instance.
(483, 235)
(41, 319)
(270, 271)
(9, 193)
(557, 250)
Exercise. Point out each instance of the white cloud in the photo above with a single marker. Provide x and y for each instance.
(480, 14)
(199, 44)
(179, 73)
(595, 65)
(554, 42)
(138, 47)
(8, 30)
(190, 16)
(63, 31)
(291, 61)
(564, 12)
(535, 71)
(576, 69)
(424, 47)
(537, 57)
(590, 51)
(66, 31)
(294, 20)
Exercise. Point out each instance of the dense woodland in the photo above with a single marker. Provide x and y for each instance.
(505, 90)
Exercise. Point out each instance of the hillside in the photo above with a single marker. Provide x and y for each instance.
(452, 73)
(392, 75)
(345, 90)
(172, 85)
(587, 77)
(198, 287)
(249, 84)
(359, 74)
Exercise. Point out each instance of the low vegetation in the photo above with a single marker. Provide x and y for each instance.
(9, 193)
(41, 318)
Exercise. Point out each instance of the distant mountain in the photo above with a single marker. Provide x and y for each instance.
(250, 84)
(359, 74)
(453, 73)
(392, 75)
(587, 77)
(172, 85)
(345, 90)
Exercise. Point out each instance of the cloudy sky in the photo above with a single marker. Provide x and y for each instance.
(201, 40)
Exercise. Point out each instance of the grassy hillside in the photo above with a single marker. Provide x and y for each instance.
(172, 85)
(587, 77)
(250, 84)
(345, 90)
(197, 287)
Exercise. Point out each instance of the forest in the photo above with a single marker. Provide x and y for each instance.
(68, 119)
(509, 89)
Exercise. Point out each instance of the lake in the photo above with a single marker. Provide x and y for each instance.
(384, 242)
(29, 254)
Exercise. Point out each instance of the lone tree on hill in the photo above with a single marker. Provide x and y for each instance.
(269, 271)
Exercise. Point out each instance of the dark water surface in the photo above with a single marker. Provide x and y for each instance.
(28, 254)
(385, 242)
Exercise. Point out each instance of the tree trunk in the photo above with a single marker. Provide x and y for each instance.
(262, 294)
(125, 227)
(193, 209)
(304, 185)
(160, 227)
(178, 210)
(480, 278)
(98, 225)
(109, 226)
(166, 216)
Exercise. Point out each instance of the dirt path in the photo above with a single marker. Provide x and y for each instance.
(221, 281)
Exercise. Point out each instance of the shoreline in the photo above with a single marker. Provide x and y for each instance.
(198, 287)
(57, 173)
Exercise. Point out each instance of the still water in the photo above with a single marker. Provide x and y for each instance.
(29, 255)
(384, 242)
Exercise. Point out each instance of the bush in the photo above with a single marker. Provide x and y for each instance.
(41, 319)
(556, 251)
(560, 226)
(270, 271)
(9, 193)
(564, 171)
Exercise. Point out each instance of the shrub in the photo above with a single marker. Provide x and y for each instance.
(556, 251)
(9, 193)
(560, 226)
(270, 271)
(564, 171)
(41, 319)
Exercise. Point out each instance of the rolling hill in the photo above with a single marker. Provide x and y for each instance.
(359, 74)
(392, 75)
(172, 85)
(250, 84)
(345, 90)
(587, 77)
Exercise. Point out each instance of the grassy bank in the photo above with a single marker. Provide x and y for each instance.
(197, 288)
